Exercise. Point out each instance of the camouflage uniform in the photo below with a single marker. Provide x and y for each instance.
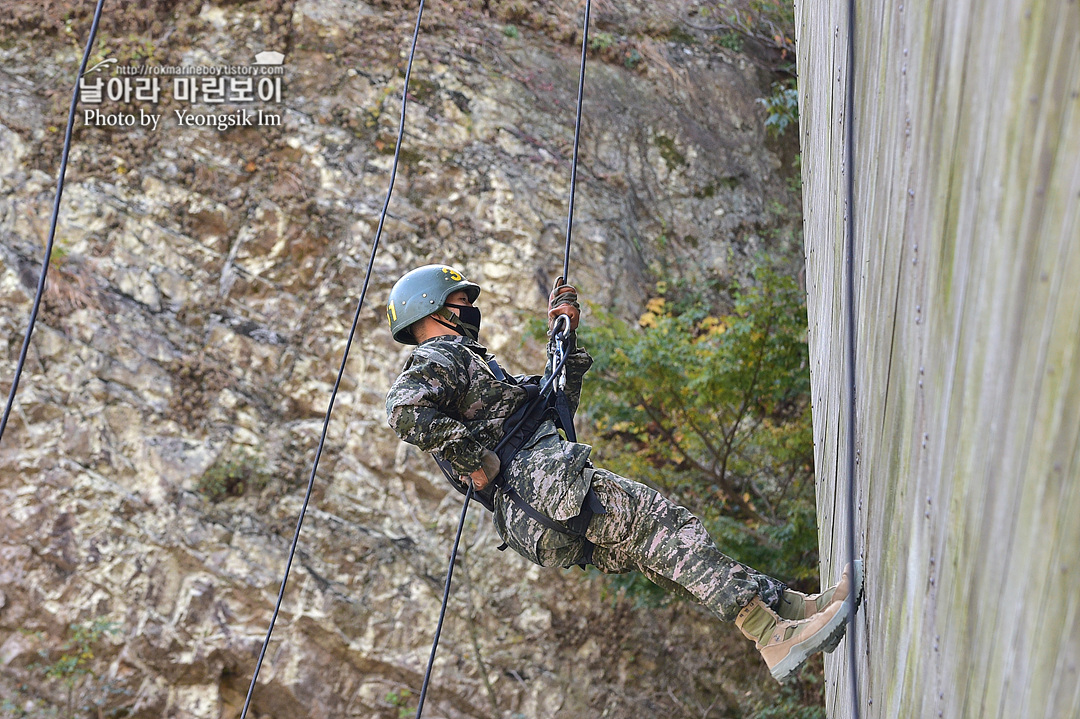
(448, 400)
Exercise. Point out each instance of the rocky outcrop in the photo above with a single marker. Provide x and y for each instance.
(197, 311)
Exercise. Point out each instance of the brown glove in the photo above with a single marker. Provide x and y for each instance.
(489, 469)
(563, 301)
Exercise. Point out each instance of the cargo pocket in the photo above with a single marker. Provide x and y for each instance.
(615, 525)
(532, 540)
(555, 549)
(516, 529)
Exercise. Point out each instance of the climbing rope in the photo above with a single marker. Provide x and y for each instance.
(344, 360)
(849, 298)
(445, 601)
(52, 223)
(560, 332)
(577, 137)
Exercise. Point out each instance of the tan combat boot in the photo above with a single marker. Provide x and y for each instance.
(796, 605)
(785, 644)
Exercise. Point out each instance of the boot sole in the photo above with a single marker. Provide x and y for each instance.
(828, 636)
(838, 635)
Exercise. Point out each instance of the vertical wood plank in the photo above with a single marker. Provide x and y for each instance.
(967, 189)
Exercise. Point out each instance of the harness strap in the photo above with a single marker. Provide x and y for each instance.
(522, 425)
(564, 418)
(575, 526)
(534, 513)
(498, 371)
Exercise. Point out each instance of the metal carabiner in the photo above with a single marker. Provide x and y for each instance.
(559, 333)
(563, 320)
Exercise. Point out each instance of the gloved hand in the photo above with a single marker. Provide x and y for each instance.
(489, 469)
(563, 301)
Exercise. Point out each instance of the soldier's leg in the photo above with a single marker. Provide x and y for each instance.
(666, 584)
(644, 530)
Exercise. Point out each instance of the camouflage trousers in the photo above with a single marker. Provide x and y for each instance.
(644, 530)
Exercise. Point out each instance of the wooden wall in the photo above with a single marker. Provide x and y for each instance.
(967, 209)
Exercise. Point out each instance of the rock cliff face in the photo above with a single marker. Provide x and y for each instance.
(198, 308)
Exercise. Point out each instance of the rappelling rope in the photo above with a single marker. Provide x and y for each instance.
(560, 332)
(344, 359)
(445, 601)
(557, 333)
(577, 137)
(849, 170)
(52, 222)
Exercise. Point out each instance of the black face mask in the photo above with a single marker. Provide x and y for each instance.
(468, 321)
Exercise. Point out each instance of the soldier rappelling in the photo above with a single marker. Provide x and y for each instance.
(550, 504)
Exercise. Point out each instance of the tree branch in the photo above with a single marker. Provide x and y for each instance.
(728, 490)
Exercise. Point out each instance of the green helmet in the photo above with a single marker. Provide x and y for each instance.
(420, 293)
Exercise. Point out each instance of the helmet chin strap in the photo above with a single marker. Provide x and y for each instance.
(455, 323)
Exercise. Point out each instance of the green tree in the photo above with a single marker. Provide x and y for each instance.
(715, 410)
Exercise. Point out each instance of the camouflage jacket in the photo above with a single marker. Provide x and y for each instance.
(448, 400)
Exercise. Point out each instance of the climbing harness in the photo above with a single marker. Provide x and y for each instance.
(545, 401)
(344, 361)
(52, 222)
(849, 298)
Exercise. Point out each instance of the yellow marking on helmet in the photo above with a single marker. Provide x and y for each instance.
(391, 313)
(453, 274)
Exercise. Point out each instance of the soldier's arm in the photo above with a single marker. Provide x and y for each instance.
(578, 363)
(420, 407)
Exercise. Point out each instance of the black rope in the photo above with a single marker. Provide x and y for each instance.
(577, 136)
(849, 168)
(445, 601)
(555, 370)
(344, 361)
(540, 397)
(52, 222)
